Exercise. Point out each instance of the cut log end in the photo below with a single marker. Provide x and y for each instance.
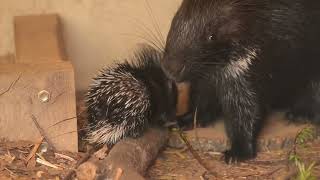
(128, 159)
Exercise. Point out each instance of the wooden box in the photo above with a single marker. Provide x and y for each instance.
(39, 85)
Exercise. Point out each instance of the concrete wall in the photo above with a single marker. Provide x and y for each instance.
(96, 32)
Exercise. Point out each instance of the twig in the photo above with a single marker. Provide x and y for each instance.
(70, 132)
(34, 150)
(196, 129)
(118, 174)
(40, 156)
(64, 120)
(12, 174)
(195, 154)
(64, 157)
(215, 153)
(47, 163)
(67, 119)
(41, 131)
(8, 155)
(11, 85)
(175, 153)
(273, 171)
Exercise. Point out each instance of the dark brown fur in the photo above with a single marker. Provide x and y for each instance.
(246, 58)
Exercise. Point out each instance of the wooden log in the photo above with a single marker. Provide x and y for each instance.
(130, 158)
(39, 84)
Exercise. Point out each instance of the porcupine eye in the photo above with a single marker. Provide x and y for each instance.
(211, 38)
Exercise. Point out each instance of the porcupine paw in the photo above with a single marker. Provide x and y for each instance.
(235, 155)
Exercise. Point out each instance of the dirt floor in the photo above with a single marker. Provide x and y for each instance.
(174, 163)
(14, 163)
(171, 164)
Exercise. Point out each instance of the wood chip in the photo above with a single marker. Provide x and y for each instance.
(40, 156)
(32, 162)
(46, 163)
(39, 174)
(64, 157)
(12, 174)
(175, 152)
(8, 157)
(42, 132)
(118, 174)
(34, 150)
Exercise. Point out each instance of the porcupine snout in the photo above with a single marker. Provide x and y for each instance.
(173, 68)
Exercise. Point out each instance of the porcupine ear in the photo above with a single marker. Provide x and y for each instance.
(237, 16)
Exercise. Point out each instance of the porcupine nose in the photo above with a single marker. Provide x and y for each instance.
(173, 69)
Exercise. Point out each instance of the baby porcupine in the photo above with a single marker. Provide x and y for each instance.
(128, 97)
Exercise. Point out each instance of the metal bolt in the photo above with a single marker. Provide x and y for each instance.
(44, 147)
(44, 96)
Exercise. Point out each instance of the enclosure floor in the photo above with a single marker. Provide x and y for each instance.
(275, 141)
(173, 164)
(176, 163)
(13, 164)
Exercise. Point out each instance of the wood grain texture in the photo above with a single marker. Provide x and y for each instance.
(131, 155)
(7, 58)
(38, 38)
(39, 66)
(21, 101)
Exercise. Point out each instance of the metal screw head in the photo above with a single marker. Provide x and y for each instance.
(43, 147)
(44, 96)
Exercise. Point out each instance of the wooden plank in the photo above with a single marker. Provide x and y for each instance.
(7, 58)
(38, 83)
(38, 38)
(36, 67)
(20, 85)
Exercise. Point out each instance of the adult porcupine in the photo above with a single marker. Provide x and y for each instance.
(126, 98)
(246, 58)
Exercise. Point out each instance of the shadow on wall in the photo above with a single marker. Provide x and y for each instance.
(96, 32)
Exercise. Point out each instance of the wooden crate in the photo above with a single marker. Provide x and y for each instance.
(39, 83)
